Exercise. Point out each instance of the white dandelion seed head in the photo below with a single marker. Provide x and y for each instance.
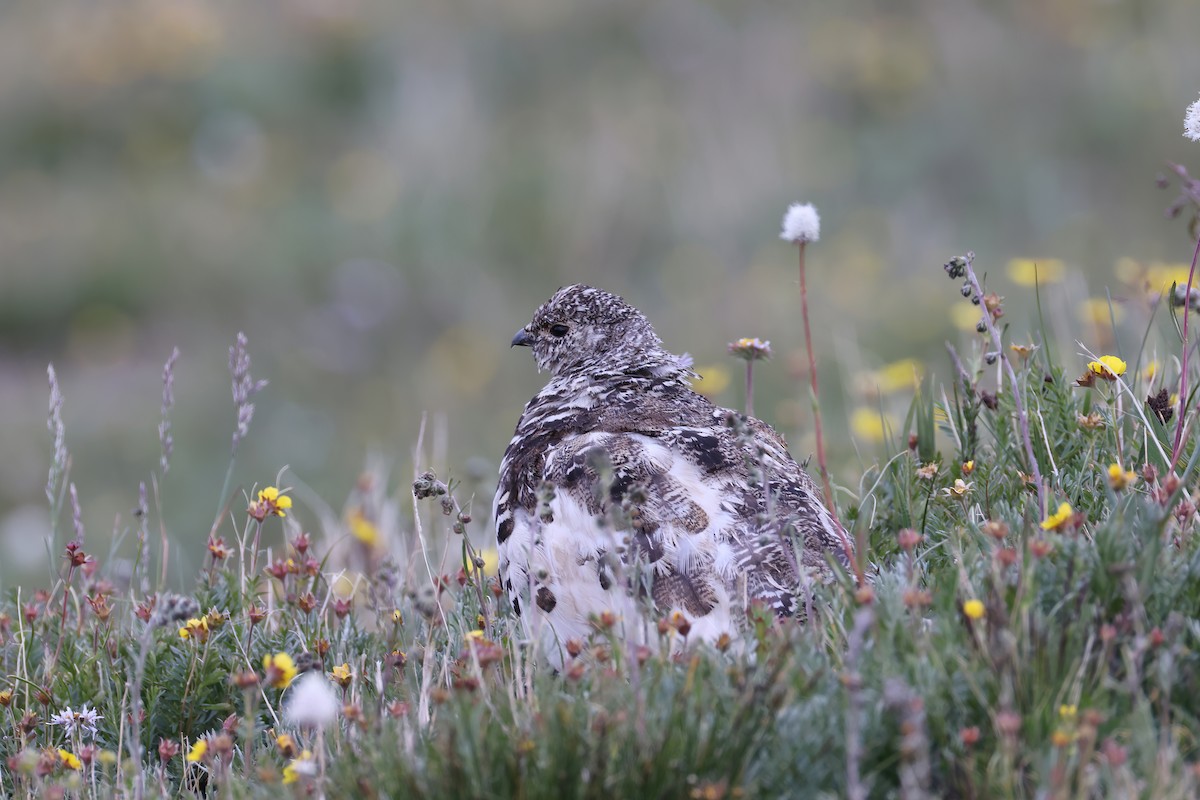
(1191, 122)
(801, 223)
(312, 702)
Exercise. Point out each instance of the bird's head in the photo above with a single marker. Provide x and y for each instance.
(584, 329)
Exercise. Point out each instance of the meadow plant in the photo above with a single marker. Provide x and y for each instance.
(1028, 624)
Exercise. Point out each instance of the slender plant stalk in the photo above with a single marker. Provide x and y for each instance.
(816, 408)
(1183, 373)
(749, 387)
(1022, 416)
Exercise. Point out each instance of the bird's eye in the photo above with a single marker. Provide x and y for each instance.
(559, 330)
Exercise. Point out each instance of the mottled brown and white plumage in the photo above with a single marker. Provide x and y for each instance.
(625, 491)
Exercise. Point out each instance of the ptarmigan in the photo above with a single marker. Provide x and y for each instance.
(623, 491)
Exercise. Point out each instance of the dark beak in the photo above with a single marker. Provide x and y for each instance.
(522, 339)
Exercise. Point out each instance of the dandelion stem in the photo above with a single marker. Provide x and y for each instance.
(1022, 416)
(1183, 372)
(749, 387)
(816, 408)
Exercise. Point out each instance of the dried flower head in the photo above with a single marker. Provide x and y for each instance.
(960, 489)
(1161, 406)
(801, 224)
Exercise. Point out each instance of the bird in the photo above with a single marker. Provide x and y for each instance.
(626, 498)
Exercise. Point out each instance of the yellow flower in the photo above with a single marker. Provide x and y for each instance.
(1160, 276)
(195, 629)
(1032, 271)
(342, 675)
(397, 616)
(69, 759)
(301, 765)
(1099, 311)
(197, 752)
(1108, 367)
(276, 503)
(475, 634)
(491, 560)
(279, 669)
(1061, 738)
(968, 467)
(1120, 478)
(965, 316)
(713, 380)
(286, 744)
(868, 424)
(973, 609)
(1023, 350)
(1128, 270)
(1151, 370)
(904, 374)
(363, 529)
(1058, 518)
(1068, 711)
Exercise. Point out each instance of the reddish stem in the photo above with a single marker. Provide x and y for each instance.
(1183, 373)
(816, 406)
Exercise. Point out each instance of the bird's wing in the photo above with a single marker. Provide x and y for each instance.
(679, 515)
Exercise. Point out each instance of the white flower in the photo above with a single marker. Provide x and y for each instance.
(312, 701)
(84, 719)
(1191, 122)
(801, 223)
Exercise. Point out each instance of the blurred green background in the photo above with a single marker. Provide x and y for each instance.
(380, 193)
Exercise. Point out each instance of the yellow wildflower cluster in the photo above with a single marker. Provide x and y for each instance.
(196, 629)
(1059, 519)
(270, 502)
(69, 759)
(1034, 271)
(974, 609)
(363, 529)
(1120, 478)
(198, 751)
(279, 669)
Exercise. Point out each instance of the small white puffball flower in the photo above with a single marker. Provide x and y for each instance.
(801, 223)
(1191, 122)
(312, 702)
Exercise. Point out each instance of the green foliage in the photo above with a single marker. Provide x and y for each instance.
(998, 650)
